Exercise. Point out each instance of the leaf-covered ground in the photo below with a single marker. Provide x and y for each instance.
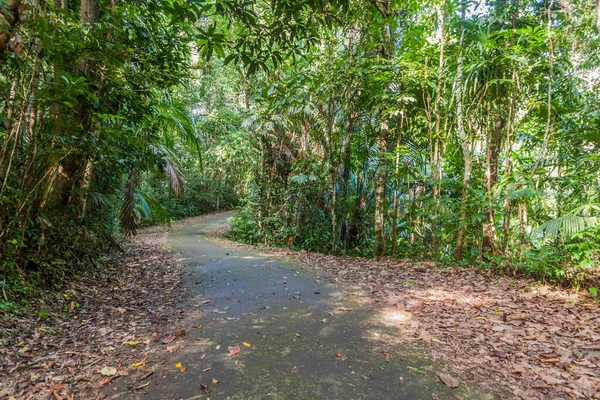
(526, 340)
(113, 321)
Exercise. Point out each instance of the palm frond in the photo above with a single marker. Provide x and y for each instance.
(174, 120)
(142, 210)
(159, 212)
(100, 200)
(175, 178)
(564, 227)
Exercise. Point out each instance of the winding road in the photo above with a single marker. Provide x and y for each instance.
(299, 336)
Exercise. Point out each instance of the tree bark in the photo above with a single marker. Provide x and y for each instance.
(466, 144)
(380, 199)
(397, 187)
(73, 177)
(488, 240)
(89, 11)
(380, 189)
(438, 123)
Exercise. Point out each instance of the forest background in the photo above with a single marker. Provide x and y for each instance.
(465, 132)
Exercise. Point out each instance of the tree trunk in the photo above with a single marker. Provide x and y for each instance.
(89, 11)
(334, 209)
(488, 240)
(380, 189)
(508, 204)
(598, 15)
(548, 130)
(31, 123)
(380, 199)
(508, 165)
(438, 127)
(397, 188)
(73, 175)
(466, 145)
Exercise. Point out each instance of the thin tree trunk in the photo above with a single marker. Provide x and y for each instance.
(548, 97)
(334, 209)
(31, 123)
(598, 15)
(380, 189)
(380, 200)
(261, 195)
(508, 165)
(508, 205)
(397, 188)
(438, 127)
(466, 145)
(488, 242)
(10, 108)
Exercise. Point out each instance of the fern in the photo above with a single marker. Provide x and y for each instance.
(564, 227)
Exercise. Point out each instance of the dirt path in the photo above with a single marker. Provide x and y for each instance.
(294, 336)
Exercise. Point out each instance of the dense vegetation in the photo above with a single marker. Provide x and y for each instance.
(461, 131)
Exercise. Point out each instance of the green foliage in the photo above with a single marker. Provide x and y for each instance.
(379, 98)
(419, 129)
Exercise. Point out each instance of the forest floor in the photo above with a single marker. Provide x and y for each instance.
(524, 339)
(94, 330)
(394, 324)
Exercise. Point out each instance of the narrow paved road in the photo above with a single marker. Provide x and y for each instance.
(301, 345)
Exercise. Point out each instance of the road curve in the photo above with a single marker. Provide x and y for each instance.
(301, 342)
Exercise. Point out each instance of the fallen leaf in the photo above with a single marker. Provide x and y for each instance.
(168, 339)
(206, 369)
(108, 380)
(425, 337)
(344, 309)
(584, 382)
(204, 388)
(182, 370)
(233, 350)
(246, 344)
(550, 380)
(178, 365)
(132, 343)
(324, 320)
(449, 381)
(108, 371)
(550, 360)
(180, 334)
(199, 326)
(215, 381)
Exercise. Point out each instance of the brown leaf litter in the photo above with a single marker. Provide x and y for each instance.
(521, 339)
(114, 321)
